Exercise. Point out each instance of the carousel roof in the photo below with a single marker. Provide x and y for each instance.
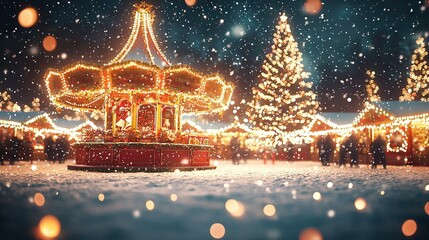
(401, 109)
(146, 78)
(339, 118)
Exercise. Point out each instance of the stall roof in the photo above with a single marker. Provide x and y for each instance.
(401, 109)
(339, 118)
(19, 117)
(63, 123)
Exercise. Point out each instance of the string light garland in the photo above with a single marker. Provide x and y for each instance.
(418, 80)
(392, 144)
(283, 101)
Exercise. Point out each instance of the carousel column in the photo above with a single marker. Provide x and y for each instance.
(158, 120)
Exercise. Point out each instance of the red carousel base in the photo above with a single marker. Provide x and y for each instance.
(140, 157)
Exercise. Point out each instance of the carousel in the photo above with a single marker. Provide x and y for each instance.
(142, 97)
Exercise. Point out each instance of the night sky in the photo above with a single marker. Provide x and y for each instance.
(230, 37)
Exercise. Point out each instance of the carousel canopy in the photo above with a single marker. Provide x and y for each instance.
(144, 76)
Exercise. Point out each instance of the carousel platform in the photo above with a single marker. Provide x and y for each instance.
(140, 157)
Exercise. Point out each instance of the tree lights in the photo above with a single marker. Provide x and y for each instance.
(372, 87)
(283, 101)
(417, 82)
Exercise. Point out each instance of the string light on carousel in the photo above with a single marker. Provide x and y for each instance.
(143, 98)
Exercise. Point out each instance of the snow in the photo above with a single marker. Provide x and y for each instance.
(186, 204)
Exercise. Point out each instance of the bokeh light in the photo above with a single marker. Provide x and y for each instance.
(310, 234)
(50, 226)
(317, 196)
(136, 214)
(269, 210)
(427, 208)
(101, 197)
(27, 17)
(33, 167)
(217, 231)
(49, 43)
(409, 227)
(150, 205)
(360, 204)
(312, 7)
(235, 208)
(190, 3)
(173, 197)
(329, 184)
(427, 188)
(39, 199)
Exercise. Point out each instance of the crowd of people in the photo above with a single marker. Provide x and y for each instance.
(14, 148)
(349, 151)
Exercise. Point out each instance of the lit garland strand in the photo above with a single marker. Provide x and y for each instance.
(283, 101)
(372, 87)
(392, 145)
(417, 82)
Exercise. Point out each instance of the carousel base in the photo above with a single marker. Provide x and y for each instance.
(140, 157)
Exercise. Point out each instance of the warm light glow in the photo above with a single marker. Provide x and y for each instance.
(136, 214)
(310, 234)
(49, 43)
(173, 197)
(235, 208)
(427, 188)
(360, 204)
(27, 17)
(409, 227)
(317, 196)
(39, 199)
(217, 231)
(50, 226)
(33, 167)
(427, 208)
(190, 3)
(150, 205)
(101, 197)
(329, 184)
(312, 7)
(269, 210)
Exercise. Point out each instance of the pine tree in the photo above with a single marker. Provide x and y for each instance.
(372, 87)
(417, 82)
(283, 101)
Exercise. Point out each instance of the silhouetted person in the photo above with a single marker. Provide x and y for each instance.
(325, 148)
(379, 153)
(62, 148)
(329, 149)
(14, 149)
(343, 153)
(234, 145)
(290, 149)
(28, 148)
(49, 148)
(352, 146)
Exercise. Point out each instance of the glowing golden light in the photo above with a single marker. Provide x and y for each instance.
(312, 7)
(190, 3)
(235, 208)
(427, 208)
(427, 188)
(101, 197)
(173, 197)
(33, 167)
(269, 210)
(329, 184)
(27, 17)
(317, 196)
(310, 234)
(409, 227)
(360, 204)
(50, 226)
(49, 43)
(150, 205)
(217, 231)
(39, 199)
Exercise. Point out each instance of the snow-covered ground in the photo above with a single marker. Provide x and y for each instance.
(392, 196)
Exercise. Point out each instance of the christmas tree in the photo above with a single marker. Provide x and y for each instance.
(417, 82)
(372, 87)
(283, 101)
